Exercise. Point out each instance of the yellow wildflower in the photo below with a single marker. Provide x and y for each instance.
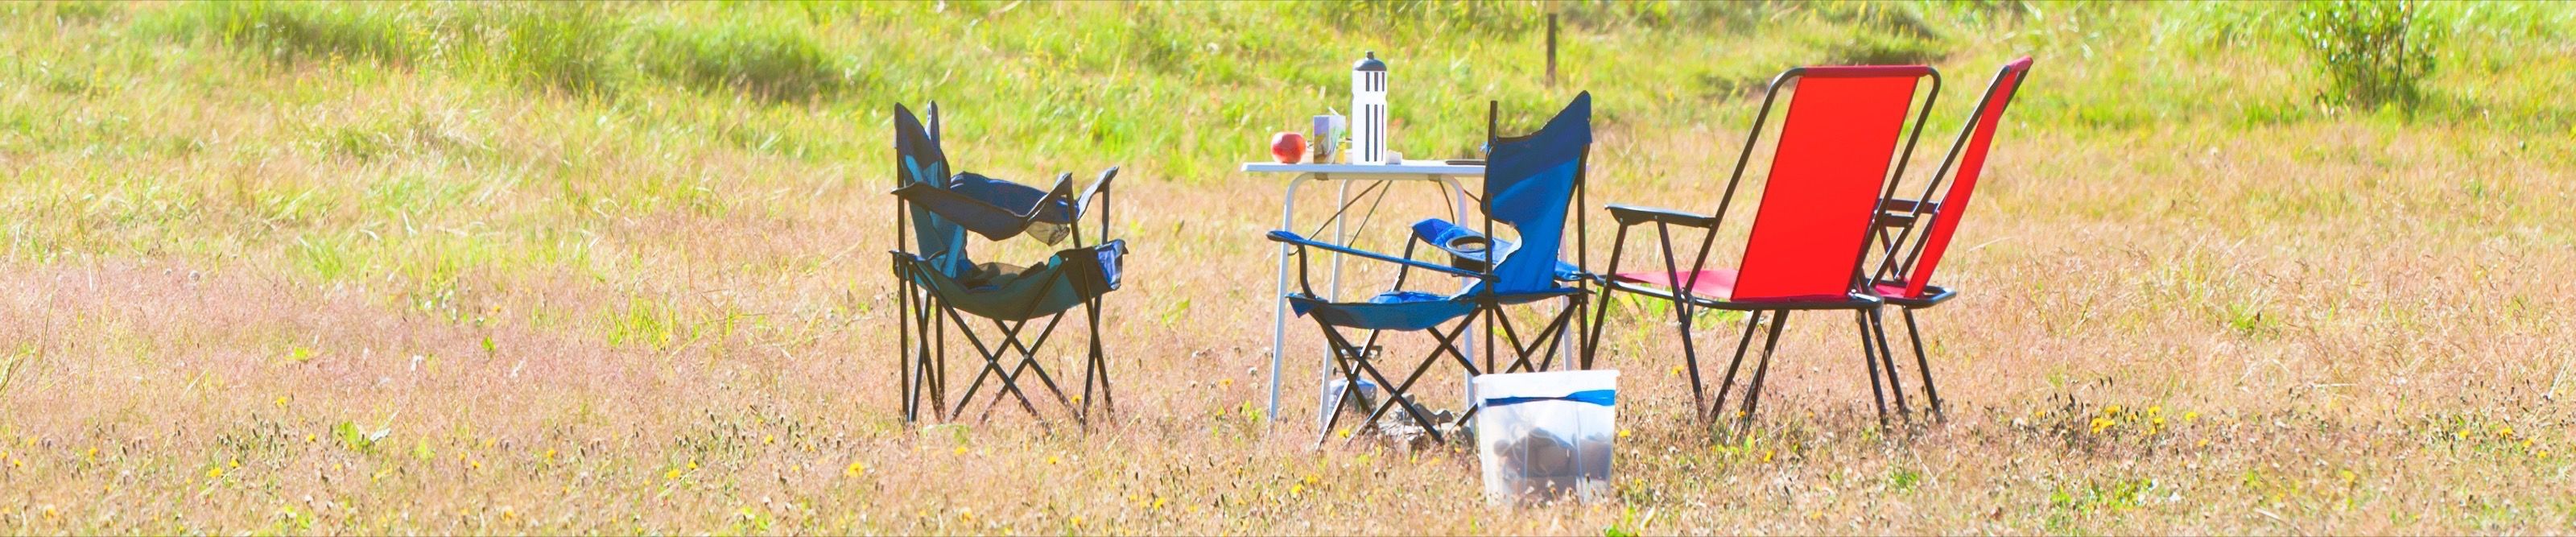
(768, 439)
(2190, 416)
(855, 469)
(693, 464)
(961, 450)
(1623, 433)
(1077, 521)
(1766, 455)
(1224, 382)
(215, 473)
(1294, 490)
(550, 456)
(673, 474)
(2114, 410)
(49, 512)
(281, 401)
(1158, 502)
(1051, 459)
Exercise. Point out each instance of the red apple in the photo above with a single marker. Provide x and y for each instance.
(1287, 147)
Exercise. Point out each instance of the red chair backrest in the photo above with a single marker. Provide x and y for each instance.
(1971, 151)
(1842, 131)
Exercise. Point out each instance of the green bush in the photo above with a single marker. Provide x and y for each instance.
(564, 47)
(1438, 16)
(1879, 34)
(778, 63)
(2372, 53)
(293, 32)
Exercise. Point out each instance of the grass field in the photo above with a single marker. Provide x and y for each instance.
(569, 268)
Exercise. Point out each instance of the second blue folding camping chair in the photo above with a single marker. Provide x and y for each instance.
(941, 285)
(1530, 183)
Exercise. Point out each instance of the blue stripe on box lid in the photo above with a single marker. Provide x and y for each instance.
(1598, 397)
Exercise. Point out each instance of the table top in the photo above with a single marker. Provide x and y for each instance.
(1409, 167)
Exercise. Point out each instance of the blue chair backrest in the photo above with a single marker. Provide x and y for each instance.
(919, 160)
(1529, 185)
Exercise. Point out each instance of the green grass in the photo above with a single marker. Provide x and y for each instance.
(637, 251)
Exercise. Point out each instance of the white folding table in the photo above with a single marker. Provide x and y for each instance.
(1439, 172)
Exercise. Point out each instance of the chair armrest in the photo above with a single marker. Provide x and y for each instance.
(1629, 215)
(1293, 238)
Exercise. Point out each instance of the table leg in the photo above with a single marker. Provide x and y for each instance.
(1279, 310)
(1466, 344)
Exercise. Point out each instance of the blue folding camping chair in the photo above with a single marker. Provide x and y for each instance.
(942, 285)
(1530, 185)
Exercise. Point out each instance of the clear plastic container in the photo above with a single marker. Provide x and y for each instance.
(1335, 390)
(1549, 435)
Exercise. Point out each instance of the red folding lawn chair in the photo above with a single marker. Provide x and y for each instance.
(1905, 280)
(1829, 172)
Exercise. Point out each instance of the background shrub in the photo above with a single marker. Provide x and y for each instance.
(2373, 53)
(768, 61)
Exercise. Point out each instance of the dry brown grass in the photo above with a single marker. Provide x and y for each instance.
(567, 316)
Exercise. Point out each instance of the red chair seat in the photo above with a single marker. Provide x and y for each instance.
(1710, 283)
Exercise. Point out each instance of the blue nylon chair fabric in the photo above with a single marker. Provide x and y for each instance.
(1529, 181)
(1442, 234)
(995, 208)
(941, 244)
(1036, 291)
(944, 207)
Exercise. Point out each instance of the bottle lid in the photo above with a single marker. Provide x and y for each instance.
(1369, 64)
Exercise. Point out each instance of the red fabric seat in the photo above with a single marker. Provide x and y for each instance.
(1712, 283)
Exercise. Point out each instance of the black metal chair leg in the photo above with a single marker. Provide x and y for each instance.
(1690, 353)
(1600, 319)
(1923, 365)
(1401, 394)
(1395, 394)
(1878, 328)
(1869, 357)
(1753, 390)
(1347, 363)
(1717, 410)
(903, 365)
(992, 364)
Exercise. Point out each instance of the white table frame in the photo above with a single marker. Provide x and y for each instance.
(1443, 173)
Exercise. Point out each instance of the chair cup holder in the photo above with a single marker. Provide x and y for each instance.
(1468, 252)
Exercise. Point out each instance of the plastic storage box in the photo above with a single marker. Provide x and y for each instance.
(1543, 436)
